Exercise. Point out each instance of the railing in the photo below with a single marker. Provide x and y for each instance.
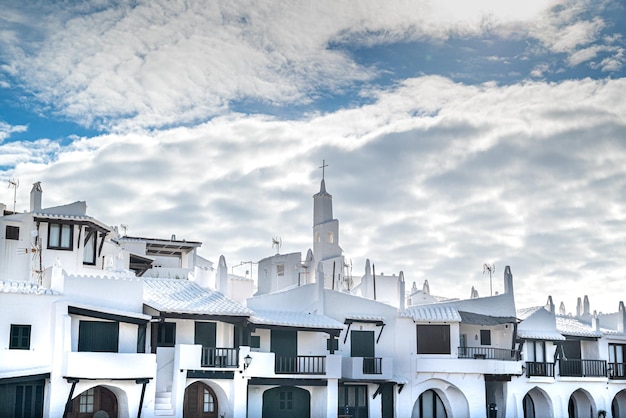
(534, 368)
(219, 357)
(300, 365)
(617, 371)
(582, 368)
(488, 353)
(372, 365)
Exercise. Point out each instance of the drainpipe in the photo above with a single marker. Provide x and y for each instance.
(143, 382)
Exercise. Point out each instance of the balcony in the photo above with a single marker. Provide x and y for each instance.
(534, 369)
(220, 357)
(617, 371)
(363, 368)
(196, 357)
(582, 368)
(300, 365)
(488, 353)
(269, 365)
(89, 365)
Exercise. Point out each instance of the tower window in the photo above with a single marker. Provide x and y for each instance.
(280, 269)
(317, 237)
(331, 237)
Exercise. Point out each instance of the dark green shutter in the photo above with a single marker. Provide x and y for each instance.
(97, 336)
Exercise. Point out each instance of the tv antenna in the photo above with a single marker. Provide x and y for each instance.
(277, 242)
(489, 268)
(15, 184)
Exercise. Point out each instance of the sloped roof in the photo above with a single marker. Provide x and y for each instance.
(184, 296)
(529, 334)
(480, 319)
(25, 288)
(432, 313)
(295, 319)
(524, 313)
(82, 219)
(572, 326)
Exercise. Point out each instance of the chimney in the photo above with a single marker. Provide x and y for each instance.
(562, 310)
(35, 197)
(550, 304)
(579, 307)
(586, 310)
(402, 291)
(621, 321)
(508, 280)
(221, 279)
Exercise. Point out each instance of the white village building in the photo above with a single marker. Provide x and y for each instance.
(100, 324)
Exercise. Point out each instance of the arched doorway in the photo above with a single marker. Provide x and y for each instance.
(580, 405)
(430, 405)
(618, 406)
(537, 404)
(200, 402)
(98, 400)
(286, 402)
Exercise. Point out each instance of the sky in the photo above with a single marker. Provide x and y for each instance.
(456, 134)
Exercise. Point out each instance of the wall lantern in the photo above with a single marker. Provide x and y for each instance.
(246, 361)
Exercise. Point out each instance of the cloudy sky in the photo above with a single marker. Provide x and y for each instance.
(455, 135)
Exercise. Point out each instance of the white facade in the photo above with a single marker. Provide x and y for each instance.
(139, 326)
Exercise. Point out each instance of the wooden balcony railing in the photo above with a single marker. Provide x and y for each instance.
(535, 368)
(300, 365)
(582, 368)
(372, 365)
(488, 353)
(219, 357)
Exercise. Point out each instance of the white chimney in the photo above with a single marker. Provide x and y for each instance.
(35, 197)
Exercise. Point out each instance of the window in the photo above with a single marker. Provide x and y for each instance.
(167, 334)
(60, 236)
(12, 232)
(98, 336)
(280, 269)
(28, 400)
(20, 337)
(286, 400)
(86, 401)
(331, 237)
(433, 339)
(485, 337)
(89, 247)
(255, 341)
(208, 402)
(430, 405)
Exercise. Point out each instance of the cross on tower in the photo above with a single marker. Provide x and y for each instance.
(323, 167)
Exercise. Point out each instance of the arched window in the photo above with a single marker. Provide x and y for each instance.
(331, 237)
(529, 407)
(430, 405)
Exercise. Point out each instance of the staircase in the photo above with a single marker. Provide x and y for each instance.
(163, 404)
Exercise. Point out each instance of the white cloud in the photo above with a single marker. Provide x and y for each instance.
(160, 63)
(433, 178)
(6, 130)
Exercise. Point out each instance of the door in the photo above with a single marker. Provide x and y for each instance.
(286, 402)
(204, 335)
(93, 400)
(284, 344)
(200, 402)
(362, 345)
(352, 401)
